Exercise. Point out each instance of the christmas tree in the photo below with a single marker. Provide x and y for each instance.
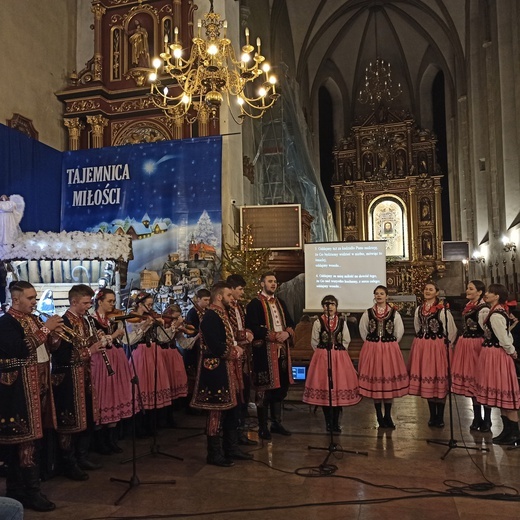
(205, 232)
(241, 259)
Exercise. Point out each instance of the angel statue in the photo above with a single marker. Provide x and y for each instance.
(11, 213)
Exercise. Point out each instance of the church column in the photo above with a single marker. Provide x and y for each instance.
(338, 210)
(468, 202)
(97, 123)
(363, 217)
(413, 234)
(438, 216)
(98, 11)
(74, 126)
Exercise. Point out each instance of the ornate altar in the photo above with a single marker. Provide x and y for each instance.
(108, 103)
(387, 187)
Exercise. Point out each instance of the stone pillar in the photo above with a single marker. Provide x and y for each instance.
(74, 126)
(98, 124)
(438, 217)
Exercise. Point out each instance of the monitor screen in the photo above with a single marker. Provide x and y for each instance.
(299, 373)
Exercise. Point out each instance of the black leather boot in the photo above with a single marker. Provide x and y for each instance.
(112, 440)
(216, 454)
(505, 430)
(379, 415)
(71, 470)
(99, 444)
(276, 420)
(440, 415)
(513, 437)
(33, 497)
(14, 486)
(432, 405)
(485, 425)
(263, 430)
(83, 445)
(336, 414)
(230, 446)
(388, 416)
(477, 418)
(327, 413)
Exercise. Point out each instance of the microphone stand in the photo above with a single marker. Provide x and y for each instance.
(324, 468)
(452, 442)
(134, 480)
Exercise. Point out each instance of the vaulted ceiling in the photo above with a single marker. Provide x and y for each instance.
(332, 41)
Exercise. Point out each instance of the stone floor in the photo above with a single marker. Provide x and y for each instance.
(401, 477)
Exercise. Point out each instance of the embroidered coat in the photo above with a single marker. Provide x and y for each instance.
(71, 378)
(269, 358)
(217, 381)
(26, 404)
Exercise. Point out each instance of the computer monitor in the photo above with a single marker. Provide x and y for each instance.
(299, 373)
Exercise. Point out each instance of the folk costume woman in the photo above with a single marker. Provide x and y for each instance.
(382, 371)
(330, 332)
(467, 352)
(428, 362)
(496, 382)
(155, 391)
(115, 391)
(168, 338)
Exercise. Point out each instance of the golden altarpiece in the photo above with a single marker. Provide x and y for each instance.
(108, 103)
(387, 186)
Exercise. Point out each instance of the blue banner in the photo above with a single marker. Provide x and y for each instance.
(165, 195)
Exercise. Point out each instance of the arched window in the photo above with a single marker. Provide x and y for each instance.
(387, 221)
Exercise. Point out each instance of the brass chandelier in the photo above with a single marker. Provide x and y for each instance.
(196, 87)
(378, 86)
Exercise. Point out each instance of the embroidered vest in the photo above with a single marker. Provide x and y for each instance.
(381, 328)
(471, 326)
(490, 338)
(336, 335)
(431, 325)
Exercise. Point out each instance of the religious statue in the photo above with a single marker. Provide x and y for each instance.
(399, 159)
(427, 244)
(11, 213)
(368, 167)
(426, 214)
(423, 163)
(350, 215)
(139, 43)
(349, 171)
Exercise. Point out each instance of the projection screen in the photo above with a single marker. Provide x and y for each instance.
(348, 270)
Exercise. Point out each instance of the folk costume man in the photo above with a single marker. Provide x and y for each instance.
(244, 337)
(273, 329)
(219, 380)
(26, 404)
(194, 317)
(74, 396)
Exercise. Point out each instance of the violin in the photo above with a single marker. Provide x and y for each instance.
(169, 318)
(188, 329)
(120, 315)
